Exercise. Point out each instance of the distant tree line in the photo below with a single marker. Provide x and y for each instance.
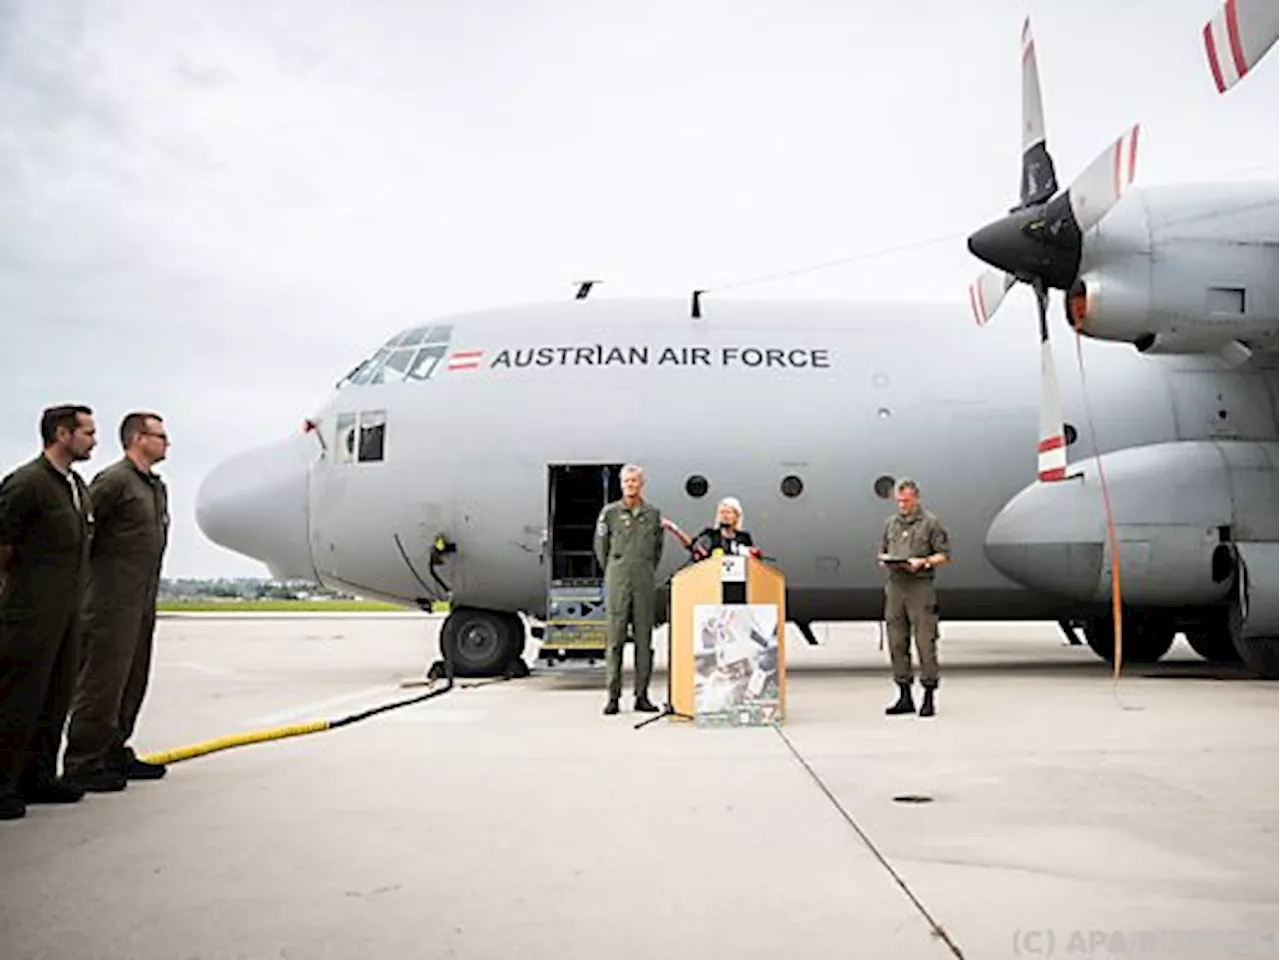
(246, 588)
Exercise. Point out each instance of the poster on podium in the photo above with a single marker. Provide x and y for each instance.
(735, 665)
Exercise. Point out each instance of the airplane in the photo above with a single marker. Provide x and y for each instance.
(466, 459)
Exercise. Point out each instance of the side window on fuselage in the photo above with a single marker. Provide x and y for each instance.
(373, 435)
(344, 441)
(361, 437)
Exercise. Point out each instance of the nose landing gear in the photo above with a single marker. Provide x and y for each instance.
(483, 643)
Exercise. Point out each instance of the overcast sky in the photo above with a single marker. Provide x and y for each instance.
(193, 193)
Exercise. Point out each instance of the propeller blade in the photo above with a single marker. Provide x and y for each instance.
(1237, 37)
(1039, 182)
(1051, 451)
(987, 293)
(1104, 181)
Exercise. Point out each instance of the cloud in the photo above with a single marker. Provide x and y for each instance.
(218, 209)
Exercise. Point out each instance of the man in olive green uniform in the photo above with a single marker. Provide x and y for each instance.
(628, 544)
(46, 525)
(131, 532)
(914, 543)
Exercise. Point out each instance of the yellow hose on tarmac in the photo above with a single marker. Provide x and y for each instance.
(293, 730)
(235, 740)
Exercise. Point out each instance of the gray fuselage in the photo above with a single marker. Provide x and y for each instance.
(836, 394)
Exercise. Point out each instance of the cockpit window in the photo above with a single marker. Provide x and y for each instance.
(410, 355)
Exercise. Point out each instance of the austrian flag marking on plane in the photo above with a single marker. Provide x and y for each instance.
(465, 359)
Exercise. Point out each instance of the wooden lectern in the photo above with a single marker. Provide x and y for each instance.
(727, 631)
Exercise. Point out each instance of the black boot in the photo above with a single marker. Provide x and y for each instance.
(611, 707)
(102, 780)
(50, 791)
(905, 703)
(926, 708)
(137, 769)
(12, 807)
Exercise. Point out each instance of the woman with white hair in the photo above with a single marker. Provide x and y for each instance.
(726, 535)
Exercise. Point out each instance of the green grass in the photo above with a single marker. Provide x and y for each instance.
(210, 605)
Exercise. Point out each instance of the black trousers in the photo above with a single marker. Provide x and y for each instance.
(39, 656)
(112, 683)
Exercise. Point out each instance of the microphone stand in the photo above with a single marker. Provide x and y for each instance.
(667, 709)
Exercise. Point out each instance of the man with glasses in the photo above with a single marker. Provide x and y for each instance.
(131, 532)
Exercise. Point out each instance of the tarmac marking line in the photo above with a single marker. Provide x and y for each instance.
(937, 927)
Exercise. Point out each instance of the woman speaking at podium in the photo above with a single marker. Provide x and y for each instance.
(727, 536)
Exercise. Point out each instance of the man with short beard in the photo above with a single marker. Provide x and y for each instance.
(131, 532)
(46, 524)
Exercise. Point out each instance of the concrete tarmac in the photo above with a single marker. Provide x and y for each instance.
(1045, 812)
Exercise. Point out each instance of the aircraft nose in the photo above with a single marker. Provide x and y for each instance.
(255, 503)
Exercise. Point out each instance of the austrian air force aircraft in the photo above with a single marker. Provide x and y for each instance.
(467, 459)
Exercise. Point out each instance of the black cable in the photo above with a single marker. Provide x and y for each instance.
(334, 724)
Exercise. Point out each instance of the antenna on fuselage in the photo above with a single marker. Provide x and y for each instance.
(584, 288)
(696, 306)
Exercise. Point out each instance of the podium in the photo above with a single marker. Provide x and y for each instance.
(727, 650)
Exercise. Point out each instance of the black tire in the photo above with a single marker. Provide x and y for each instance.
(481, 643)
(1146, 637)
(1259, 654)
(1213, 642)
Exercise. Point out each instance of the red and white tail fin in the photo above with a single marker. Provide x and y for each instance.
(1237, 37)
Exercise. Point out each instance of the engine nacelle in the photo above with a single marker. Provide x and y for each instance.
(1180, 510)
(1183, 270)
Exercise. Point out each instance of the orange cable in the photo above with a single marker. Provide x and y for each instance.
(1106, 503)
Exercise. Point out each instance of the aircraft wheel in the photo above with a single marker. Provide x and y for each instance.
(480, 643)
(1146, 637)
(1212, 638)
(1259, 654)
